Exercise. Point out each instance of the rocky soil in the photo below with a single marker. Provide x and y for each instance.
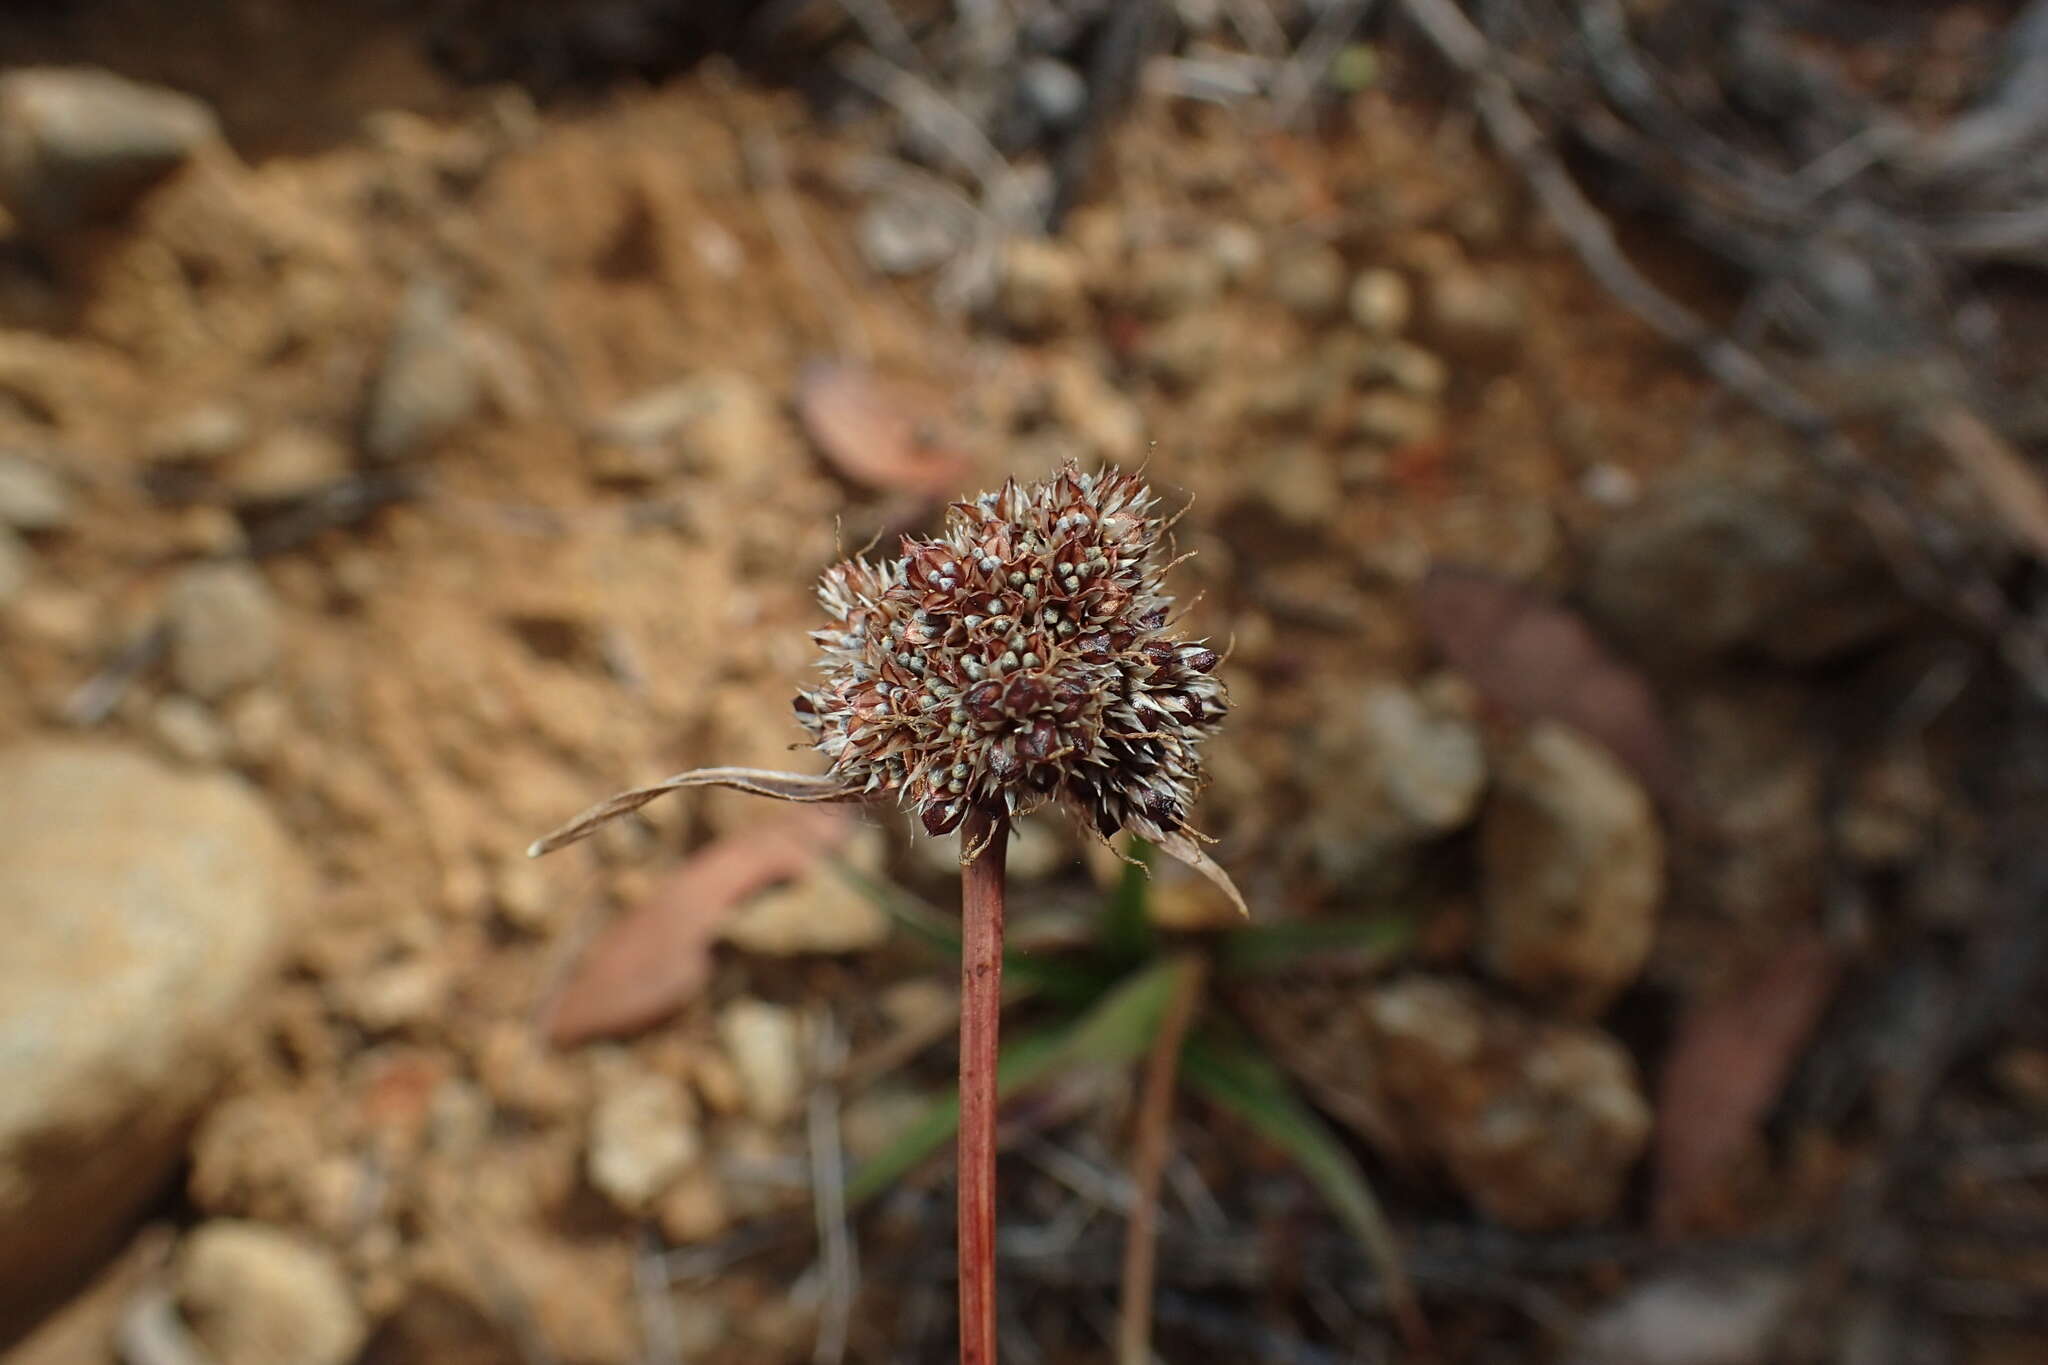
(371, 503)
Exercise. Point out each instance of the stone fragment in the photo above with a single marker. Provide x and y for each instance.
(643, 1134)
(429, 383)
(1538, 1123)
(1474, 316)
(256, 1295)
(1572, 872)
(1397, 767)
(78, 145)
(288, 463)
(717, 422)
(199, 436)
(33, 497)
(901, 235)
(1039, 289)
(190, 731)
(223, 628)
(1166, 282)
(1762, 559)
(1310, 282)
(1691, 1317)
(140, 907)
(824, 911)
(764, 1042)
(1381, 301)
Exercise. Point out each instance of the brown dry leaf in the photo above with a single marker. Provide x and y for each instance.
(1725, 1071)
(882, 433)
(657, 956)
(1178, 844)
(1537, 660)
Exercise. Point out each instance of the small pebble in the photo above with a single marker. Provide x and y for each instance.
(1039, 289)
(32, 496)
(188, 729)
(200, 436)
(1396, 419)
(1238, 249)
(286, 464)
(1052, 90)
(899, 236)
(1473, 316)
(224, 628)
(429, 383)
(764, 1043)
(1381, 302)
(1309, 281)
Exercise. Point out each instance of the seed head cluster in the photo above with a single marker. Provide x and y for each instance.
(1020, 658)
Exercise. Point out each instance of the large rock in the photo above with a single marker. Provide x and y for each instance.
(256, 1295)
(1573, 872)
(1395, 767)
(1538, 1123)
(1744, 552)
(139, 906)
(78, 144)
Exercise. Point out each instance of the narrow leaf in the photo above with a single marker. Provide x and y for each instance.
(1360, 942)
(1116, 1031)
(759, 781)
(1126, 929)
(1246, 1083)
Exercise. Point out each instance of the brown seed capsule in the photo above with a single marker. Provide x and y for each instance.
(1020, 655)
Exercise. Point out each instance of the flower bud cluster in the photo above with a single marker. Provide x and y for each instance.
(1022, 657)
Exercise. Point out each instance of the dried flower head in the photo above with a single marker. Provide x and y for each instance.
(1023, 657)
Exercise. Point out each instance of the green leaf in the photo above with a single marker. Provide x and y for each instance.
(1117, 1031)
(1369, 941)
(1126, 932)
(1245, 1082)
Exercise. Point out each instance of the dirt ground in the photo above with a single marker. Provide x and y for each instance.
(507, 416)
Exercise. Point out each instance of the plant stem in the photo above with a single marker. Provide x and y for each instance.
(1152, 1140)
(987, 829)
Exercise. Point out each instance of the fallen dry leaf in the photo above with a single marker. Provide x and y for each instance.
(882, 433)
(1726, 1068)
(1536, 660)
(657, 956)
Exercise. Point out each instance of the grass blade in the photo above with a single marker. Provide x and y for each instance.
(1115, 1032)
(1248, 1084)
(1366, 942)
(1126, 929)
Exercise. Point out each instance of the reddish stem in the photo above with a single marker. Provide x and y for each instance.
(987, 829)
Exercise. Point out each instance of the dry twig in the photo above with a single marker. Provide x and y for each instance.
(1148, 1164)
(1924, 552)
